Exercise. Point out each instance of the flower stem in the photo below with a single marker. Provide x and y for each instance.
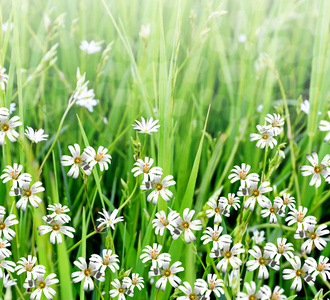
(264, 166)
(99, 291)
(129, 197)
(89, 204)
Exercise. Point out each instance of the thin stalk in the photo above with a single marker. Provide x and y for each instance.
(264, 165)
(129, 197)
(89, 204)
(99, 291)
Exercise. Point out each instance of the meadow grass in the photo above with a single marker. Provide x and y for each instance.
(198, 77)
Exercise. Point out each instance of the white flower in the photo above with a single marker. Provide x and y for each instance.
(121, 290)
(107, 260)
(256, 195)
(86, 99)
(160, 189)
(144, 167)
(29, 194)
(146, 127)
(6, 264)
(273, 211)
(186, 226)
(276, 294)
(264, 138)
(4, 112)
(228, 256)
(144, 32)
(190, 293)
(168, 274)
(161, 222)
(323, 267)
(91, 47)
(7, 282)
(6, 25)
(287, 201)
(3, 78)
(282, 248)
(297, 273)
(77, 161)
(42, 286)
(5, 224)
(35, 135)
(298, 216)
(232, 201)
(153, 254)
(325, 126)
(258, 236)
(56, 228)
(314, 238)
(214, 236)
(305, 107)
(100, 157)
(213, 284)
(276, 121)
(136, 281)
(109, 220)
(217, 210)
(241, 38)
(12, 108)
(13, 173)
(28, 266)
(241, 173)
(86, 274)
(3, 248)
(262, 261)
(251, 292)
(7, 129)
(317, 169)
(58, 212)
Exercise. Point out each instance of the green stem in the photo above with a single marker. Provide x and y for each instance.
(78, 243)
(129, 197)
(99, 291)
(264, 166)
(89, 204)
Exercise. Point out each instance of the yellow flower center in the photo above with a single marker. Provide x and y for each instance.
(242, 174)
(211, 285)
(215, 236)
(59, 210)
(77, 160)
(272, 210)
(299, 272)
(281, 248)
(14, 174)
(192, 296)
(262, 260)
(56, 227)
(4, 127)
(98, 157)
(2, 225)
(320, 267)
(252, 297)
(41, 285)
(164, 221)
(28, 193)
(88, 272)
(106, 260)
(313, 235)
(300, 217)
(217, 210)
(146, 168)
(275, 124)
(185, 225)
(255, 193)
(265, 136)
(159, 186)
(121, 290)
(154, 254)
(167, 273)
(317, 169)
(228, 254)
(29, 266)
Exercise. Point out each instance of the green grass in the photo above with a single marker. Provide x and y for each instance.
(205, 92)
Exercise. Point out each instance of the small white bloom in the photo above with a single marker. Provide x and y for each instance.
(107, 260)
(42, 286)
(35, 135)
(282, 248)
(276, 294)
(100, 157)
(214, 235)
(264, 138)
(7, 282)
(3, 248)
(144, 32)
(323, 267)
(92, 47)
(153, 254)
(251, 292)
(136, 281)
(276, 123)
(86, 99)
(12, 108)
(286, 201)
(109, 220)
(6, 264)
(299, 217)
(6, 25)
(305, 107)
(7, 128)
(121, 290)
(217, 210)
(59, 212)
(28, 266)
(258, 236)
(144, 167)
(161, 222)
(189, 292)
(241, 173)
(273, 211)
(325, 126)
(3, 78)
(148, 126)
(13, 173)
(256, 194)
(232, 201)
(213, 284)
(5, 224)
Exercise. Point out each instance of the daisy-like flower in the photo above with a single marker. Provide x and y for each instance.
(262, 261)
(241, 173)
(186, 226)
(256, 194)
(6, 264)
(252, 293)
(3, 248)
(232, 201)
(317, 169)
(28, 266)
(35, 136)
(323, 267)
(77, 161)
(13, 173)
(7, 128)
(86, 99)
(273, 211)
(108, 260)
(214, 235)
(286, 201)
(100, 157)
(264, 138)
(109, 220)
(4, 112)
(7, 282)
(228, 256)
(276, 123)
(42, 286)
(168, 274)
(6, 26)
(298, 273)
(136, 281)
(275, 295)
(144, 32)
(153, 254)
(258, 236)
(217, 210)
(12, 108)
(213, 284)
(144, 167)
(190, 294)
(325, 126)
(282, 248)
(121, 290)
(3, 78)
(92, 47)
(314, 238)
(5, 224)
(2, 210)
(161, 222)
(161, 188)
(304, 106)
(59, 212)
(29, 194)
(56, 228)
(86, 273)
(144, 126)
(299, 217)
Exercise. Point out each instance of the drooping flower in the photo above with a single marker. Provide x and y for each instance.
(153, 254)
(108, 260)
(266, 137)
(148, 126)
(325, 126)
(144, 167)
(92, 47)
(241, 173)
(13, 173)
(213, 284)
(35, 136)
(144, 32)
(7, 282)
(7, 128)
